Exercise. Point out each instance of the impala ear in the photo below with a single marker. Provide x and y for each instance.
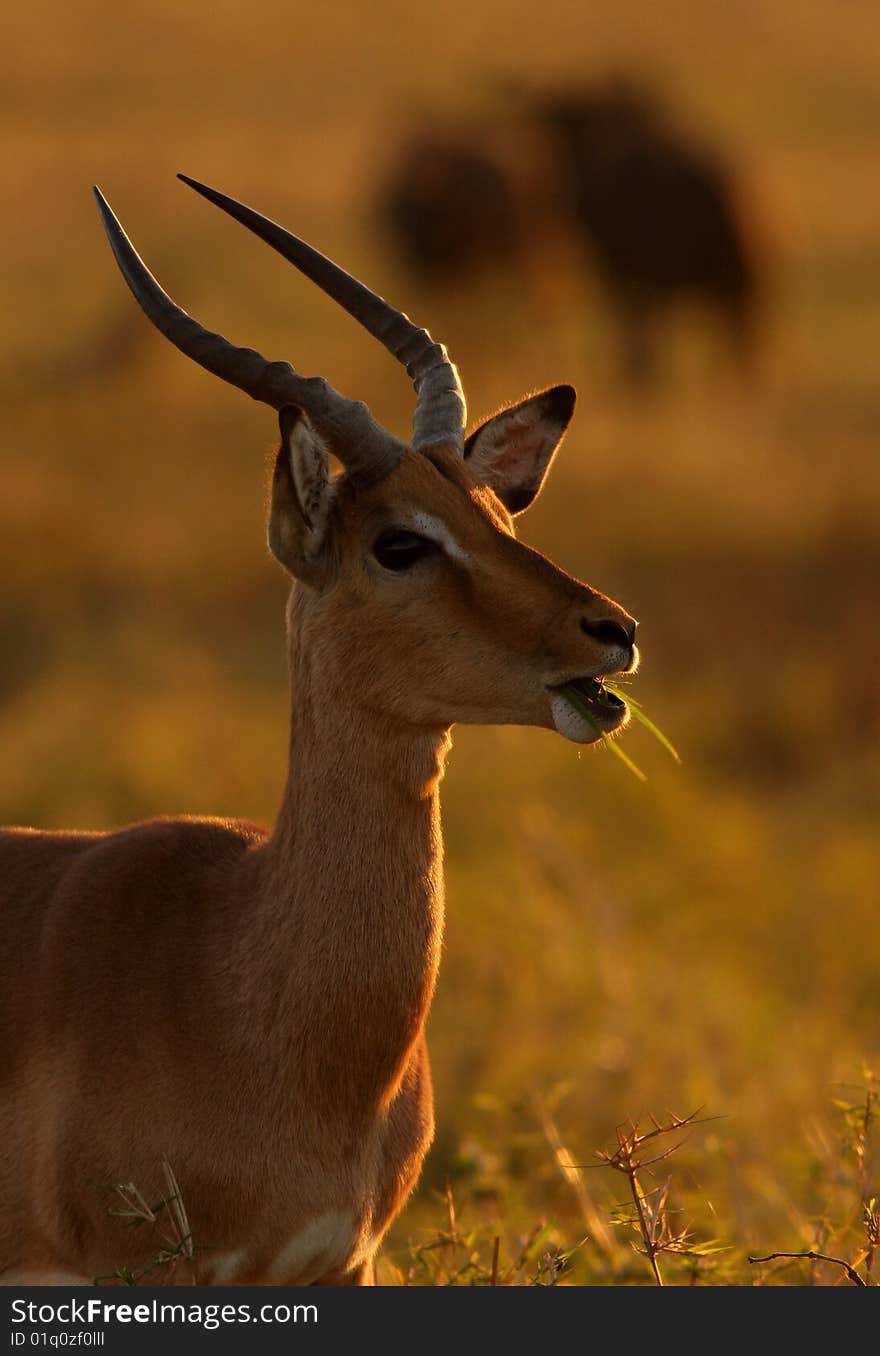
(513, 450)
(302, 497)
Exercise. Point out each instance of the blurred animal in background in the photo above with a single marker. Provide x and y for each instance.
(597, 176)
(449, 209)
(659, 214)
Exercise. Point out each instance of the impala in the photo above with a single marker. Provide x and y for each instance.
(247, 1005)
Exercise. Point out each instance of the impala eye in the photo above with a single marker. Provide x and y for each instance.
(396, 549)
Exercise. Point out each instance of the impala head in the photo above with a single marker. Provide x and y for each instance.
(416, 597)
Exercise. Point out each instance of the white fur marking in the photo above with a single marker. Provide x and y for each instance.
(363, 1252)
(436, 529)
(226, 1266)
(321, 1246)
(570, 723)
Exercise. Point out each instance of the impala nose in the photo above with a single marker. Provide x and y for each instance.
(609, 631)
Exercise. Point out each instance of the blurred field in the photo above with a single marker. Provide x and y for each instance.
(710, 940)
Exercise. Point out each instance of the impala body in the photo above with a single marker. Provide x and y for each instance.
(248, 1006)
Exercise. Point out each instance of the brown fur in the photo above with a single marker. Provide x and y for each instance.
(251, 1005)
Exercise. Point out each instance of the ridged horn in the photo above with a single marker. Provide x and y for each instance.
(359, 441)
(441, 413)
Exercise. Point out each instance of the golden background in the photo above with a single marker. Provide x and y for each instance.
(708, 940)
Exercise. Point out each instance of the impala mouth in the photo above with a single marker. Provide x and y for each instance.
(584, 710)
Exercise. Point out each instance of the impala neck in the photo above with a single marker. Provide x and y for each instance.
(352, 898)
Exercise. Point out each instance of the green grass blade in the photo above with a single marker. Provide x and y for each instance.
(624, 757)
(579, 705)
(639, 715)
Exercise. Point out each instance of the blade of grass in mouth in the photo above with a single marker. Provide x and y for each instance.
(639, 715)
(578, 702)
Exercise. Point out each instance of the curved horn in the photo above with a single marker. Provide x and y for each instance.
(361, 444)
(441, 413)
